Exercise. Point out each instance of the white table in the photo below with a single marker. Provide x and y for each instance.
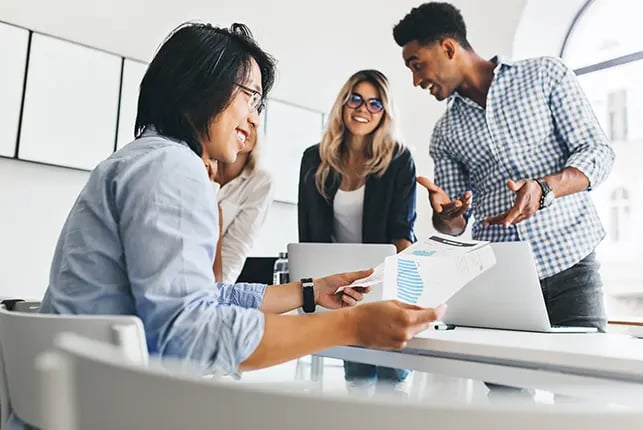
(584, 365)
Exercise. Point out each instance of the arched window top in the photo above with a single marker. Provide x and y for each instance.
(604, 30)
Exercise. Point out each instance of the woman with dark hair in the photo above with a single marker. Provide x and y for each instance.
(141, 237)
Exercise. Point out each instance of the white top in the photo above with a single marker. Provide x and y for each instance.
(348, 208)
(244, 203)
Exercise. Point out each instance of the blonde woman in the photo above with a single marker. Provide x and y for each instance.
(244, 193)
(358, 184)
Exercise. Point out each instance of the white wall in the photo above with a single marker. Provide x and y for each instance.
(543, 26)
(316, 55)
(35, 202)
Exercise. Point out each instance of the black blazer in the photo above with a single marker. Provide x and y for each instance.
(389, 201)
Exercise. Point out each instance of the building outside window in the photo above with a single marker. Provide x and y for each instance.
(620, 211)
(605, 47)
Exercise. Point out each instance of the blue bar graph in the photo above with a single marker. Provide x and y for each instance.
(409, 281)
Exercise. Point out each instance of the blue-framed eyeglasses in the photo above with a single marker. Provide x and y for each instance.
(373, 105)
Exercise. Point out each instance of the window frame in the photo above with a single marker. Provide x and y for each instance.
(635, 56)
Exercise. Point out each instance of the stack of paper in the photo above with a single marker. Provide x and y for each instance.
(429, 272)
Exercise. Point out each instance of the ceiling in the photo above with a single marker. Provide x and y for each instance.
(318, 44)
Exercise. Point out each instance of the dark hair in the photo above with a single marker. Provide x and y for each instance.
(432, 22)
(193, 76)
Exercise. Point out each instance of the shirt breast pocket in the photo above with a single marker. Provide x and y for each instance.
(526, 126)
(476, 152)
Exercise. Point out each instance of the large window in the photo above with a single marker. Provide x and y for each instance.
(605, 48)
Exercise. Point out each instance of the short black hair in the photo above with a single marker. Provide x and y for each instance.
(192, 79)
(432, 22)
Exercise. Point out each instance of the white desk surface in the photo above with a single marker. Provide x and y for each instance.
(593, 354)
(574, 364)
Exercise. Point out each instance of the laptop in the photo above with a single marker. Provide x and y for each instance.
(507, 296)
(316, 260)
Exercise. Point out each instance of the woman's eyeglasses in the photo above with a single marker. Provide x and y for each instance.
(255, 102)
(372, 105)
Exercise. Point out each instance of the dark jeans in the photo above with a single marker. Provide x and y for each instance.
(574, 297)
(370, 373)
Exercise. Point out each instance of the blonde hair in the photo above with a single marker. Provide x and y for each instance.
(381, 145)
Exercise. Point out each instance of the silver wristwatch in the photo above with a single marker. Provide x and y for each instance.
(547, 197)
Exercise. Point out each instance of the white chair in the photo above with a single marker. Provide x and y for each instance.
(23, 336)
(4, 394)
(21, 306)
(87, 385)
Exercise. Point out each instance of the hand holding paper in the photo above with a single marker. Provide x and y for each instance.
(325, 289)
(373, 280)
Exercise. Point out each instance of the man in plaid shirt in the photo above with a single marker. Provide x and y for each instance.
(518, 147)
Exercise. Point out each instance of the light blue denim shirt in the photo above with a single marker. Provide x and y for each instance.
(140, 240)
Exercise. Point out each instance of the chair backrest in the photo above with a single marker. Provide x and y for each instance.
(89, 386)
(21, 306)
(23, 336)
(4, 393)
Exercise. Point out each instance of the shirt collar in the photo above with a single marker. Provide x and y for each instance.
(501, 64)
(243, 177)
(150, 130)
(245, 173)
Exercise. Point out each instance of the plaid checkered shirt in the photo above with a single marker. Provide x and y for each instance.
(537, 122)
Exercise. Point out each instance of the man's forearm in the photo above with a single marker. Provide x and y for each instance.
(306, 334)
(568, 181)
(453, 227)
(282, 298)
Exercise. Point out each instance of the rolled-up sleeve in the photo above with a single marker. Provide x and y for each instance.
(169, 228)
(589, 149)
(245, 295)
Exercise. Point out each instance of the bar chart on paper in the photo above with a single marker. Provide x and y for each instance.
(409, 281)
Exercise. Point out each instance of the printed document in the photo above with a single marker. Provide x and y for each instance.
(430, 271)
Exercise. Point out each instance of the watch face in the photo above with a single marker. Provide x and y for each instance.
(548, 199)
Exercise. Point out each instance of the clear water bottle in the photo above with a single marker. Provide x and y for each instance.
(280, 273)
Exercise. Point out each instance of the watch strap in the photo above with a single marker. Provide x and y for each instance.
(307, 288)
(546, 190)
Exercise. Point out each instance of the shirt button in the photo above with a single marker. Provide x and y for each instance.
(523, 229)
